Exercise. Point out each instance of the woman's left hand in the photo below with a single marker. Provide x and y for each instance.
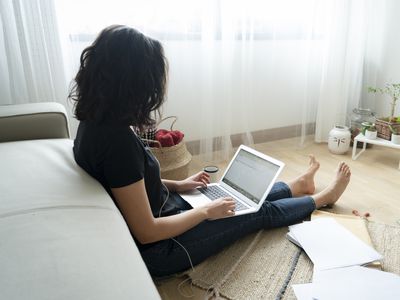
(200, 179)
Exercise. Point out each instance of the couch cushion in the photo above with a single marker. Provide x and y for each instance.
(30, 121)
(61, 235)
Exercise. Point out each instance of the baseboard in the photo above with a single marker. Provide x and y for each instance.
(259, 136)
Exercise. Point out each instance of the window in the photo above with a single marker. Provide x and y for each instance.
(196, 20)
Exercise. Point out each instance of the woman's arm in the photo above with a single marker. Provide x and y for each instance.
(192, 182)
(135, 208)
(172, 185)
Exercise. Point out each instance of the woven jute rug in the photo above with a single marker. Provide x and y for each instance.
(264, 265)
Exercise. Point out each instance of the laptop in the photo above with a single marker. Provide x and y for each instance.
(248, 179)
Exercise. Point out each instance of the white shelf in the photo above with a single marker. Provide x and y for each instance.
(378, 141)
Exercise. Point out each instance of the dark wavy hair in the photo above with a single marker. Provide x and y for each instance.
(122, 78)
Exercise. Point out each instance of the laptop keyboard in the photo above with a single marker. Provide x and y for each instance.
(214, 192)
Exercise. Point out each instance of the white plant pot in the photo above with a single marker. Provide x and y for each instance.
(396, 139)
(370, 134)
(339, 139)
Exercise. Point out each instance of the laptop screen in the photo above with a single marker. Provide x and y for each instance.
(250, 175)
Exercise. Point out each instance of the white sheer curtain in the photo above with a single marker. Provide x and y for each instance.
(237, 68)
(353, 38)
(30, 53)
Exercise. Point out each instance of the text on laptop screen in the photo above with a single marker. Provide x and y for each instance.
(250, 175)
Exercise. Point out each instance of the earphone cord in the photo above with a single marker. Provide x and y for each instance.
(162, 206)
(159, 215)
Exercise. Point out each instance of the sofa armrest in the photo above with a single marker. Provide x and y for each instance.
(32, 121)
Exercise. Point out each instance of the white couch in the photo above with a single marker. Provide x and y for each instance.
(61, 236)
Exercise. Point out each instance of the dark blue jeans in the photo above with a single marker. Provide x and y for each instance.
(166, 257)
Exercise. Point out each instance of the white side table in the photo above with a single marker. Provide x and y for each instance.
(378, 141)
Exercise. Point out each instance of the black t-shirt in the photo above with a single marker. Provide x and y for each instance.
(116, 157)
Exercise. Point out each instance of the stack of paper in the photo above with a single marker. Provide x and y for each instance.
(354, 224)
(329, 245)
(337, 255)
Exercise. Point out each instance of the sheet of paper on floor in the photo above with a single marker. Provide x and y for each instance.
(355, 283)
(356, 225)
(290, 236)
(303, 291)
(330, 245)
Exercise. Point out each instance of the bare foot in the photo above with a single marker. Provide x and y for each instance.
(304, 184)
(332, 193)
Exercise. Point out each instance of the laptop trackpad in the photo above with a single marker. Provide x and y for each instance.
(195, 198)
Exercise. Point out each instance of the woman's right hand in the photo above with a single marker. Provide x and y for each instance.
(220, 208)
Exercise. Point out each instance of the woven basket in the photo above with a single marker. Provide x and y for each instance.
(382, 128)
(174, 161)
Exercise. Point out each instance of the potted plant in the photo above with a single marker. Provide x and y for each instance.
(365, 126)
(382, 123)
(370, 132)
(395, 135)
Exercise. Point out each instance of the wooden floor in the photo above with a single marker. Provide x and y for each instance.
(374, 186)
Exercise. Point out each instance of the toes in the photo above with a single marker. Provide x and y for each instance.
(314, 164)
(348, 171)
(313, 160)
(344, 168)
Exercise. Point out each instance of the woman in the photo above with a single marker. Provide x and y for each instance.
(121, 80)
